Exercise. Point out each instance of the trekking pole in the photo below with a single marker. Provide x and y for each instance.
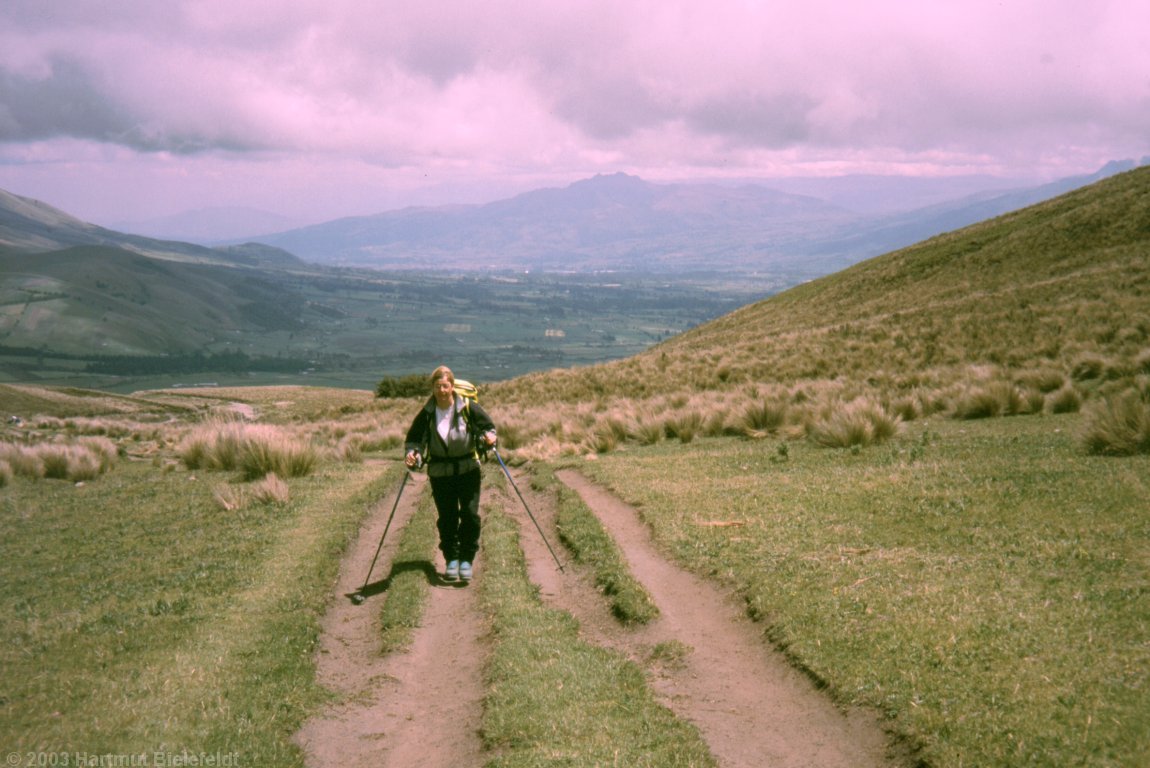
(520, 495)
(358, 597)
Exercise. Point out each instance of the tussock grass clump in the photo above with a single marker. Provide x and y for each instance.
(1064, 400)
(1118, 426)
(228, 498)
(646, 428)
(764, 417)
(80, 461)
(69, 462)
(1089, 367)
(269, 452)
(271, 490)
(23, 460)
(1142, 362)
(989, 399)
(861, 422)
(256, 450)
(684, 426)
(1044, 379)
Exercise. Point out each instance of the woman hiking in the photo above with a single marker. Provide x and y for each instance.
(447, 433)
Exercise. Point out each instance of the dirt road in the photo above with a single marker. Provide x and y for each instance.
(751, 707)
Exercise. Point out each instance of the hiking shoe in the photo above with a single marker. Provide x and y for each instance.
(451, 573)
(465, 571)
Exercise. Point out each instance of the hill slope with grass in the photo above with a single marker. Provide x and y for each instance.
(1061, 286)
(102, 298)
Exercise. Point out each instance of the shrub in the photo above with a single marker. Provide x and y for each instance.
(860, 422)
(412, 385)
(1118, 426)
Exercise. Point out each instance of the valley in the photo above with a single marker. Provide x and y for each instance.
(340, 327)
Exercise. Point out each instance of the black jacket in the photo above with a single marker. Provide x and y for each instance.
(469, 423)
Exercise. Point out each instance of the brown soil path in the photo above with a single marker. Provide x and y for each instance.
(752, 708)
(410, 708)
(407, 708)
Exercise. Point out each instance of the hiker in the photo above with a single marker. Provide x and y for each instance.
(448, 433)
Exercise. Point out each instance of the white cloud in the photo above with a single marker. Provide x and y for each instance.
(508, 89)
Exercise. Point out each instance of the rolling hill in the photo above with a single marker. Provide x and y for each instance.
(1059, 285)
(101, 298)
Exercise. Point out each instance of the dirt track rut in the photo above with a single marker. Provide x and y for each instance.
(420, 707)
(751, 707)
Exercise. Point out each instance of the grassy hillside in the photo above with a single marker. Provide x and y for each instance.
(1040, 287)
(111, 301)
(1052, 299)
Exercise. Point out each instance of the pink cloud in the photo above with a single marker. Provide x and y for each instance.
(517, 92)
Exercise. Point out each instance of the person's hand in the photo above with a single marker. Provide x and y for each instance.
(489, 438)
(411, 459)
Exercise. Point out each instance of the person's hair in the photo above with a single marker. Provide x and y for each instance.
(442, 372)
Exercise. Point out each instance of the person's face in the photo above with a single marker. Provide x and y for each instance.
(444, 391)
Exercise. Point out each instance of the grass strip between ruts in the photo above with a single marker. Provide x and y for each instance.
(554, 699)
(407, 583)
(584, 536)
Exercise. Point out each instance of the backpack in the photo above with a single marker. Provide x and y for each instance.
(470, 394)
(467, 391)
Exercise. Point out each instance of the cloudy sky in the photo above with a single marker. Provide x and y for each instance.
(130, 109)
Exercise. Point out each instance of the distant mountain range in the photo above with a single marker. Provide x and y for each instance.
(808, 228)
(623, 223)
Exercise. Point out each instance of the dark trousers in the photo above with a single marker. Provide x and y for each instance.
(457, 501)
